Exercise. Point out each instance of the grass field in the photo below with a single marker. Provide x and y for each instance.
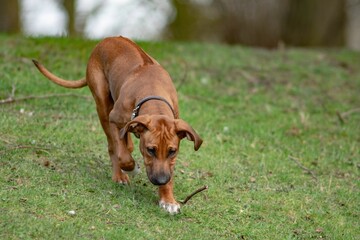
(281, 151)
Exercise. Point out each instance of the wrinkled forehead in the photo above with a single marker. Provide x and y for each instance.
(162, 130)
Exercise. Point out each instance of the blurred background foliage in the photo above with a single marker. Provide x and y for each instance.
(263, 23)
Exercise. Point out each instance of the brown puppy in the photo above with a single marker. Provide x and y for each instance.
(133, 93)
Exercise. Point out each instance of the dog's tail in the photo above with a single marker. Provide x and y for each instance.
(62, 82)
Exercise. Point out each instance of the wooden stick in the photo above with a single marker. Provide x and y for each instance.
(25, 147)
(303, 168)
(351, 111)
(343, 115)
(13, 89)
(183, 79)
(340, 117)
(193, 194)
(12, 99)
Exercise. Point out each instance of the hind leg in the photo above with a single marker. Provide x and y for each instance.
(118, 151)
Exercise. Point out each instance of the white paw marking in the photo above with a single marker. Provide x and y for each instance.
(172, 208)
(134, 172)
(123, 182)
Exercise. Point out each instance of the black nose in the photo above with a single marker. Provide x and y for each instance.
(159, 179)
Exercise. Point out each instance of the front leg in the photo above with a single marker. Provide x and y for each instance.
(120, 157)
(118, 150)
(118, 175)
(167, 200)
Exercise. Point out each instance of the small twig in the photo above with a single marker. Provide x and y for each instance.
(203, 99)
(13, 89)
(343, 115)
(183, 79)
(25, 147)
(351, 111)
(193, 194)
(296, 160)
(12, 99)
(11, 96)
(340, 117)
(5, 140)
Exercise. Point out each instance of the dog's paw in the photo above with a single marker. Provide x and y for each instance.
(121, 179)
(134, 172)
(172, 208)
(123, 182)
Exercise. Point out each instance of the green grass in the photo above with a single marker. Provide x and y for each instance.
(257, 111)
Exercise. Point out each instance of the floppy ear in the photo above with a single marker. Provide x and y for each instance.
(136, 126)
(183, 129)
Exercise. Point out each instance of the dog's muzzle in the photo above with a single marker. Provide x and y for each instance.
(159, 179)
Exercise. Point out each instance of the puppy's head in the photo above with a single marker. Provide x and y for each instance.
(159, 143)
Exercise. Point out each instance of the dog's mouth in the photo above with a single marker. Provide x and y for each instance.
(159, 178)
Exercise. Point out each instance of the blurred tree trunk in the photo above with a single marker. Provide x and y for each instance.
(184, 25)
(315, 23)
(264, 23)
(353, 24)
(253, 22)
(9, 16)
(70, 8)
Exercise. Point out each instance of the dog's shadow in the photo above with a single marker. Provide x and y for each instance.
(140, 193)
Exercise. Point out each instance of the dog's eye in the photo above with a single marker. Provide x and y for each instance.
(171, 152)
(151, 151)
